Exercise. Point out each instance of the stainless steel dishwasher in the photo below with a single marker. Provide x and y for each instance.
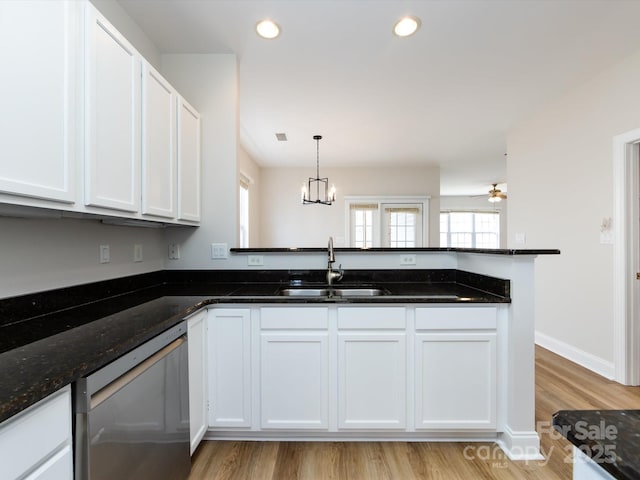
(132, 416)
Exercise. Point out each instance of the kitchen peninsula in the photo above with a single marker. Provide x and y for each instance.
(454, 302)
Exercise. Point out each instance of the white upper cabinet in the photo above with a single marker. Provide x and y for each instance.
(39, 46)
(188, 162)
(158, 145)
(112, 117)
(88, 125)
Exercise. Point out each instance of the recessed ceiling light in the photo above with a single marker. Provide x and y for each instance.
(406, 26)
(268, 29)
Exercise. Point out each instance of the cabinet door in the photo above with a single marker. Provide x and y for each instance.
(229, 367)
(455, 381)
(372, 382)
(112, 117)
(58, 467)
(188, 162)
(294, 380)
(38, 440)
(197, 334)
(158, 145)
(39, 44)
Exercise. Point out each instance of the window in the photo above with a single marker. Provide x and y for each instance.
(403, 226)
(391, 222)
(470, 229)
(362, 216)
(243, 211)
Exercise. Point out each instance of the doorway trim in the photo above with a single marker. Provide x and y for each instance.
(626, 258)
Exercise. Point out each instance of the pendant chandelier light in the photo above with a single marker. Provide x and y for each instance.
(318, 186)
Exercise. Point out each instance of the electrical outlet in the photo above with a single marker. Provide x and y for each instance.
(105, 254)
(219, 251)
(520, 238)
(407, 259)
(174, 251)
(255, 260)
(137, 252)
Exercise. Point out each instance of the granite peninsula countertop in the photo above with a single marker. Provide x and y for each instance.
(50, 339)
(611, 438)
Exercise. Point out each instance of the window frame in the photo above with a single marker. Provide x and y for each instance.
(244, 183)
(473, 233)
(383, 201)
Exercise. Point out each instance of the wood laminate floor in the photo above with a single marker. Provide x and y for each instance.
(560, 385)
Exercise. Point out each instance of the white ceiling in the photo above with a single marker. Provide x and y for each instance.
(446, 96)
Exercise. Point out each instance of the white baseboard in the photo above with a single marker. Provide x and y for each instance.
(521, 446)
(582, 358)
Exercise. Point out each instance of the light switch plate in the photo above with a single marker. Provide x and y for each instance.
(137, 252)
(105, 254)
(219, 251)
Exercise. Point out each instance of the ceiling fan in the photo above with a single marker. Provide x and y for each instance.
(495, 194)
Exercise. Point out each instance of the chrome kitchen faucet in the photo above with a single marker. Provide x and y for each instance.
(331, 273)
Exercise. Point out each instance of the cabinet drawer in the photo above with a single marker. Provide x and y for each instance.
(294, 318)
(34, 434)
(58, 467)
(372, 318)
(446, 318)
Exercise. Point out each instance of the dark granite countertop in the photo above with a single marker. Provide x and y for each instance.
(482, 251)
(611, 438)
(50, 339)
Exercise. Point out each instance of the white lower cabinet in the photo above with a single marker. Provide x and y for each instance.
(294, 380)
(294, 368)
(46, 429)
(455, 369)
(372, 380)
(344, 369)
(197, 334)
(229, 364)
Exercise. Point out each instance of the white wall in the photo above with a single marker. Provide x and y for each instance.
(210, 84)
(40, 254)
(560, 188)
(478, 204)
(285, 222)
(250, 169)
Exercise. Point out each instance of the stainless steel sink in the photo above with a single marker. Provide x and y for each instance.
(358, 292)
(331, 292)
(304, 292)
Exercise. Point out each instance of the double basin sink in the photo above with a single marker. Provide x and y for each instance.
(331, 291)
(358, 291)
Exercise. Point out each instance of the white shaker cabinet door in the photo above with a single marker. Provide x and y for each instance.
(372, 381)
(229, 366)
(197, 334)
(456, 381)
(188, 162)
(158, 145)
(39, 46)
(294, 380)
(112, 117)
(37, 442)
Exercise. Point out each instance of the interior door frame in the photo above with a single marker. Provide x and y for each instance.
(626, 257)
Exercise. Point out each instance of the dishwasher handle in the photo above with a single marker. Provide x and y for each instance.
(119, 383)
